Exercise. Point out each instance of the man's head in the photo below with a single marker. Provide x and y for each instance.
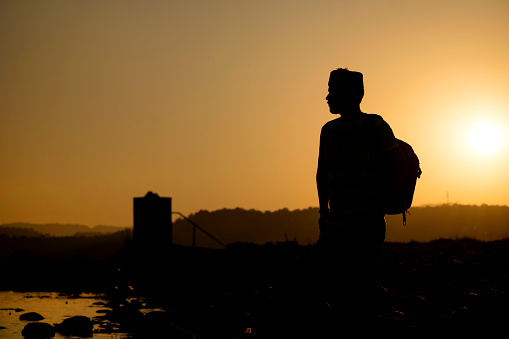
(346, 90)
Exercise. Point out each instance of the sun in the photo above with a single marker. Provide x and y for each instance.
(486, 138)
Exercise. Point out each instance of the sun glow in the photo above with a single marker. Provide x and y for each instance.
(486, 138)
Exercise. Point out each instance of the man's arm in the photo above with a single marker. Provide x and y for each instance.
(322, 180)
(322, 185)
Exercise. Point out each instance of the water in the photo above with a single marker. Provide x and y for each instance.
(53, 306)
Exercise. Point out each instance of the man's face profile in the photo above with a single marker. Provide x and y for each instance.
(334, 99)
(338, 98)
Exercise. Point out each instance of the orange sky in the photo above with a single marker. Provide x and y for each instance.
(219, 104)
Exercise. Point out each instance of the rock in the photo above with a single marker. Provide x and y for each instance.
(126, 316)
(31, 316)
(12, 309)
(76, 326)
(38, 330)
(157, 324)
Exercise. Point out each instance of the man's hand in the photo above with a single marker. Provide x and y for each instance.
(323, 220)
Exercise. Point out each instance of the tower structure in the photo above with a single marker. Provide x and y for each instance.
(152, 222)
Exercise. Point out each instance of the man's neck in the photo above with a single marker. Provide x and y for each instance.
(351, 115)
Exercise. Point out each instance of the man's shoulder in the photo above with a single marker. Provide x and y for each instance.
(376, 119)
(331, 124)
(368, 118)
(384, 132)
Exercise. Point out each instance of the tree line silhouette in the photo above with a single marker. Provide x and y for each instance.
(424, 224)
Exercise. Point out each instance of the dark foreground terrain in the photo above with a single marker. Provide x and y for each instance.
(446, 287)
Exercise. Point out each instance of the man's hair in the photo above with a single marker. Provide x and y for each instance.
(349, 82)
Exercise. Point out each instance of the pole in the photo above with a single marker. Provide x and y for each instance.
(194, 236)
(198, 227)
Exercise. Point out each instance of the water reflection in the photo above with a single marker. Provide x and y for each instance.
(54, 307)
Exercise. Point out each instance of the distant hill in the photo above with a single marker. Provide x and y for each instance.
(65, 247)
(56, 230)
(423, 224)
(483, 222)
(239, 225)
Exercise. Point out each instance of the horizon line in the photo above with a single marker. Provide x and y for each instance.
(245, 209)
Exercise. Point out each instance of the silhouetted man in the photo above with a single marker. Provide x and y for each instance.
(353, 148)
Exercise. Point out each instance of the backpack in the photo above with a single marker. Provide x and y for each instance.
(414, 171)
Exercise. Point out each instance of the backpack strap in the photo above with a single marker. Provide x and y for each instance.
(371, 136)
(371, 133)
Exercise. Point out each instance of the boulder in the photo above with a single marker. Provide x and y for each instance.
(126, 316)
(76, 326)
(38, 330)
(31, 316)
(157, 324)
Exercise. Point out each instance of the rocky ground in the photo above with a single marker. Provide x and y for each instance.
(444, 287)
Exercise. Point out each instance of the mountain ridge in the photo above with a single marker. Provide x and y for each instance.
(484, 222)
(59, 230)
(426, 223)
